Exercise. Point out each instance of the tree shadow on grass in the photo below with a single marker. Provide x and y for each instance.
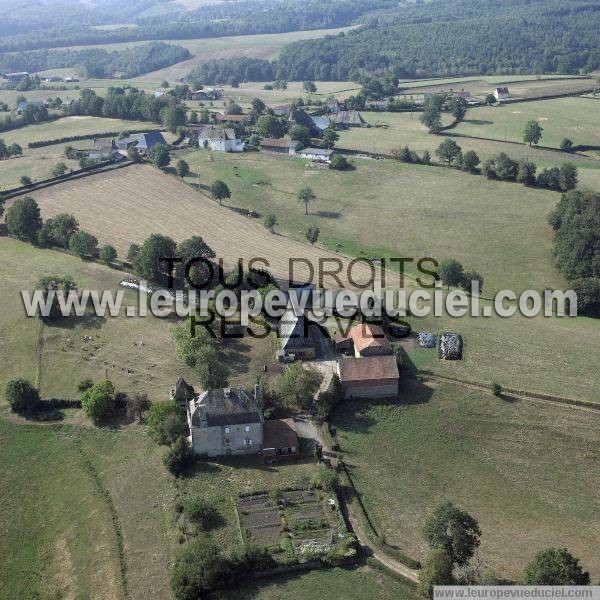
(328, 214)
(478, 122)
(88, 321)
(252, 589)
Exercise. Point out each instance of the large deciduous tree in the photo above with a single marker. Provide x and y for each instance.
(555, 566)
(23, 218)
(454, 531)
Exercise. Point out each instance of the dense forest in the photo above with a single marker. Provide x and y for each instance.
(96, 62)
(461, 37)
(228, 18)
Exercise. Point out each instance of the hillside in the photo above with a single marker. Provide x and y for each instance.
(455, 38)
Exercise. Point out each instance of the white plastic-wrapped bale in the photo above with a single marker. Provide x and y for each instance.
(426, 339)
(450, 346)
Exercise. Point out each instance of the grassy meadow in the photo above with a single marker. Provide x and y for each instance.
(526, 471)
(575, 118)
(361, 583)
(135, 353)
(59, 539)
(520, 86)
(458, 212)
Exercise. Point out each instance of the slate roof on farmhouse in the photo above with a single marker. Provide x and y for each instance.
(293, 330)
(211, 132)
(225, 406)
(348, 117)
(317, 151)
(104, 145)
(144, 141)
(369, 368)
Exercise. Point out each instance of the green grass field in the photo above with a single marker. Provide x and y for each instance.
(118, 345)
(498, 229)
(361, 583)
(58, 537)
(459, 212)
(575, 118)
(395, 130)
(526, 471)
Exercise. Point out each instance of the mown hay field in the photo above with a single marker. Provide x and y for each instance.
(526, 471)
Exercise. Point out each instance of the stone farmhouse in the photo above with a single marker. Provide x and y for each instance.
(369, 376)
(373, 370)
(225, 422)
(228, 421)
(219, 139)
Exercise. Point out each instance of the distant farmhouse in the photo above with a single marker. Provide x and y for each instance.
(227, 421)
(280, 146)
(282, 110)
(318, 154)
(501, 93)
(205, 94)
(376, 104)
(333, 105)
(349, 118)
(221, 118)
(142, 141)
(104, 149)
(16, 77)
(23, 104)
(219, 139)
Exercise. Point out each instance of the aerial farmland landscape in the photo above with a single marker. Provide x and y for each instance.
(299, 300)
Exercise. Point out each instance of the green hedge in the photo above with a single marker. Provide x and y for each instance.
(77, 138)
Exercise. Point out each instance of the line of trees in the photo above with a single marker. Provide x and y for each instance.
(97, 62)
(576, 224)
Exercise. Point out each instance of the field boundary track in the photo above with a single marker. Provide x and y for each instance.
(114, 517)
(512, 393)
